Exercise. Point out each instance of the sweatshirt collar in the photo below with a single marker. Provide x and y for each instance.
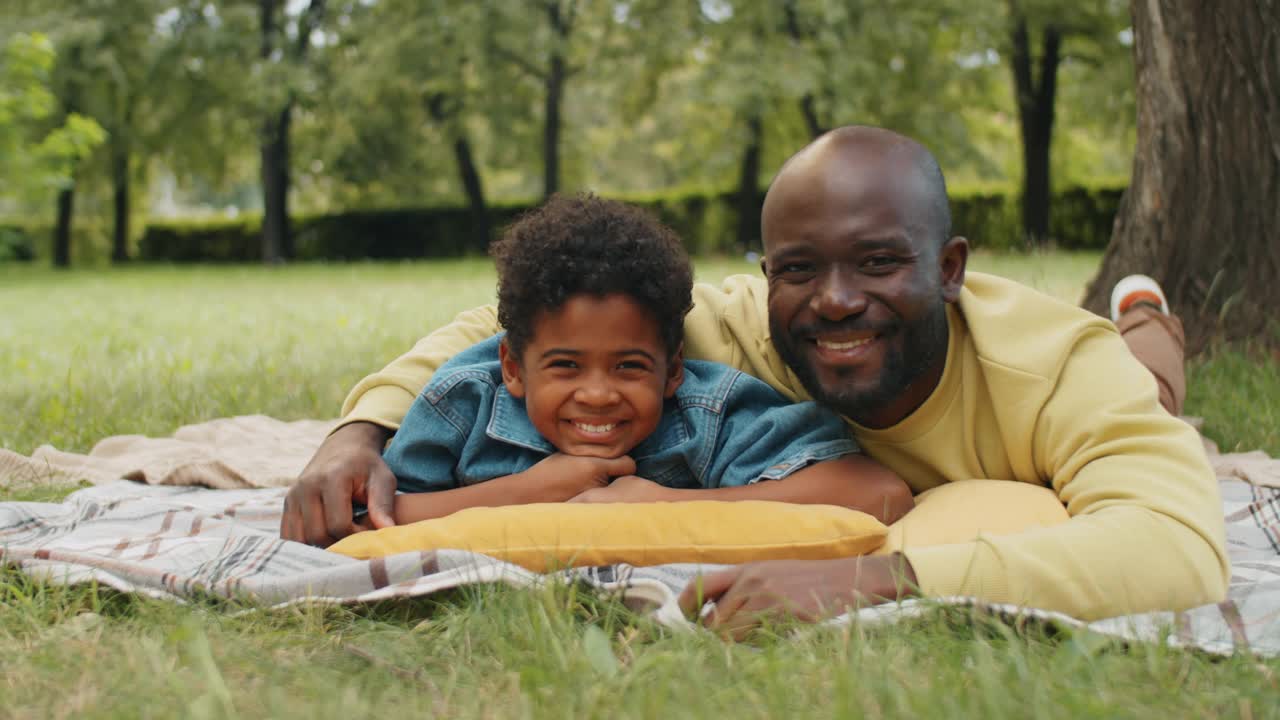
(923, 418)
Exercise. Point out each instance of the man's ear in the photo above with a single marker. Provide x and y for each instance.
(675, 372)
(952, 259)
(511, 371)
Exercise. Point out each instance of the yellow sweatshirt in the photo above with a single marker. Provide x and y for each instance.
(1035, 390)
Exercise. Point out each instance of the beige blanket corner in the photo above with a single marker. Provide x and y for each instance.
(255, 451)
(230, 453)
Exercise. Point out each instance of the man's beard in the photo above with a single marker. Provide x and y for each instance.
(923, 346)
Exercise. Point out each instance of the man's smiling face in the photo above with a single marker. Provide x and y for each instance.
(859, 278)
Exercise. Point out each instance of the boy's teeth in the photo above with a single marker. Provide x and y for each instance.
(595, 428)
(849, 345)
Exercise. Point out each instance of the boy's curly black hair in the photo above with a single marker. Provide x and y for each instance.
(586, 244)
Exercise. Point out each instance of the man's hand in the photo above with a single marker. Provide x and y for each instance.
(348, 466)
(567, 476)
(627, 489)
(806, 590)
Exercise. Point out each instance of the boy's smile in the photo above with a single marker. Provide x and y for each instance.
(594, 375)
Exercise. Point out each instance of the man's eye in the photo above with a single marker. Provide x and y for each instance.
(880, 262)
(793, 270)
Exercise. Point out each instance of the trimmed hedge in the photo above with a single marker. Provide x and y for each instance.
(24, 242)
(707, 223)
(1081, 220)
(16, 244)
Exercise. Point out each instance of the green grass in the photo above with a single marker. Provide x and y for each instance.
(84, 355)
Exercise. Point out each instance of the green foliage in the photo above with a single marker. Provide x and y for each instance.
(38, 150)
(655, 100)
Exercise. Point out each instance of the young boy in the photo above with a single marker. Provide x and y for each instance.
(586, 397)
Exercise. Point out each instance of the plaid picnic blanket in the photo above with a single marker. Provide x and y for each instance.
(178, 542)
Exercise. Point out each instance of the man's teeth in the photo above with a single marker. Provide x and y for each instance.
(585, 427)
(846, 345)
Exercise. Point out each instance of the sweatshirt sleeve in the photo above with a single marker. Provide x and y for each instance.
(384, 397)
(1146, 529)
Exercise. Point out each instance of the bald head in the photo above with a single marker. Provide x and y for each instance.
(842, 162)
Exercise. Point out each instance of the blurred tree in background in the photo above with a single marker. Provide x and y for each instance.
(1201, 212)
(287, 108)
(37, 153)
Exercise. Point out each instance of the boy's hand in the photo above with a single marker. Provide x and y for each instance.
(627, 489)
(567, 476)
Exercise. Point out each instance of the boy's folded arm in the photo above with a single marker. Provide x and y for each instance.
(853, 481)
(557, 478)
(509, 490)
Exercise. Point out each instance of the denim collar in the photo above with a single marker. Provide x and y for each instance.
(509, 423)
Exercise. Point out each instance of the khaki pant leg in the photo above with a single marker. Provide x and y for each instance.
(1157, 341)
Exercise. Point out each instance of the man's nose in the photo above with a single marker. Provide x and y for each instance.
(597, 391)
(837, 296)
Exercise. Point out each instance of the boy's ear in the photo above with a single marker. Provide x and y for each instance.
(675, 372)
(510, 370)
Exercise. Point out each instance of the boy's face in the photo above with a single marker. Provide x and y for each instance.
(593, 375)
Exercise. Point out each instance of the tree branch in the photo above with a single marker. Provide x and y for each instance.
(516, 60)
(571, 13)
(307, 24)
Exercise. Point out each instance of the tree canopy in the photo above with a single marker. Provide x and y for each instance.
(288, 106)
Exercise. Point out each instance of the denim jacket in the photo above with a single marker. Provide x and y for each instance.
(722, 428)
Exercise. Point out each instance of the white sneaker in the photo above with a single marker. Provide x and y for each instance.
(1135, 289)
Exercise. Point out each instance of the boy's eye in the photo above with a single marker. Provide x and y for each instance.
(632, 365)
(562, 363)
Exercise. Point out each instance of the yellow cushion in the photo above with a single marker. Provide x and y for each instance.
(557, 535)
(962, 511)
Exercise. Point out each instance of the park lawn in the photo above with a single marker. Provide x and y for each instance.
(88, 354)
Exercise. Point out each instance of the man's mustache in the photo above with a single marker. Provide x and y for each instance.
(859, 326)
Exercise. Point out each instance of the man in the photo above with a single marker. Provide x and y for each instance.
(943, 377)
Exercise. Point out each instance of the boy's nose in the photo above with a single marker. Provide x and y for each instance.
(596, 392)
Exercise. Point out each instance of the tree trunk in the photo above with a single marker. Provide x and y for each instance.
(274, 151)
(277, 241)
(556, 76)
(70, 98)
(120, 188)
(1035, 96)
(748, 195)
(808, 103)
(474, 188)
(808, 108)
(551, 127)
(445, 109)
(62, 230)
(1201, 211)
